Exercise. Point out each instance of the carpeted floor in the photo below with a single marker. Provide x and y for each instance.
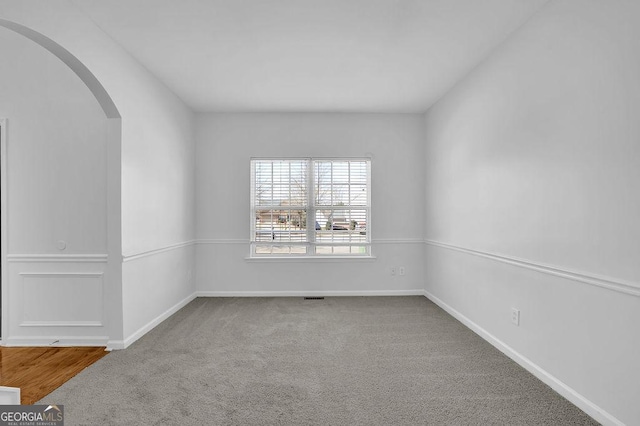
(290, 361)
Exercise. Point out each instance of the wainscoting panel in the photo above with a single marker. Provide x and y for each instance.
(52, 299)
(55, 300)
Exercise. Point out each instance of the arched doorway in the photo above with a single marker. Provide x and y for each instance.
(40, 268)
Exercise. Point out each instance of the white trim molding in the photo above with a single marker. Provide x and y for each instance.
(297, 293)
(61, 324)
(135, 256)
(62, 341)
(62, 274)
(222, 241)
(310, 259)
(398, 241)
(55, 258)
(608, 283)
(376, 241)
(123, 344)
(115, 345)
(563, 389)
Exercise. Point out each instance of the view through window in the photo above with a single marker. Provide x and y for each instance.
(303, 207)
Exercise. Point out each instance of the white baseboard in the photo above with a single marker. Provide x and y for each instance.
(570, 394)
(115, 345)
(63, 341)
(123, 344)
(416, 292)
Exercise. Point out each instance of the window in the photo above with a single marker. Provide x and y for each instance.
(310, 207)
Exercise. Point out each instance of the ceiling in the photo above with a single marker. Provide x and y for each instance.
(309, 55)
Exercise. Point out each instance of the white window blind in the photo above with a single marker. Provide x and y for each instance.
(310, 207)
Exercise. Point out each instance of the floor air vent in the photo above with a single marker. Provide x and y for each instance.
(314, 298)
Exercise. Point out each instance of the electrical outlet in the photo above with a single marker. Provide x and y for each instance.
(392, 270)
(401, 270)
(515, 316)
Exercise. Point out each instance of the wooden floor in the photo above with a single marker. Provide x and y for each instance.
(37, 371)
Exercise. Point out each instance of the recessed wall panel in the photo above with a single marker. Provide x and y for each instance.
(62, 299)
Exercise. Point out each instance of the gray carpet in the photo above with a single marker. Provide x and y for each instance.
(289, 361)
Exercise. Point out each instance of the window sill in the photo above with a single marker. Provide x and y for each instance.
(311, 259)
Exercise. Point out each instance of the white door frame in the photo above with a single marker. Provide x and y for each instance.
(4, 228)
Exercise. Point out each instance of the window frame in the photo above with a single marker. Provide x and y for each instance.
(311, 207)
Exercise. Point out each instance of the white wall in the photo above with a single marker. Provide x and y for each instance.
(156, 203)
(533, 187)
(57, 135)
(225, 144)
(56, 191)
(158, 207)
